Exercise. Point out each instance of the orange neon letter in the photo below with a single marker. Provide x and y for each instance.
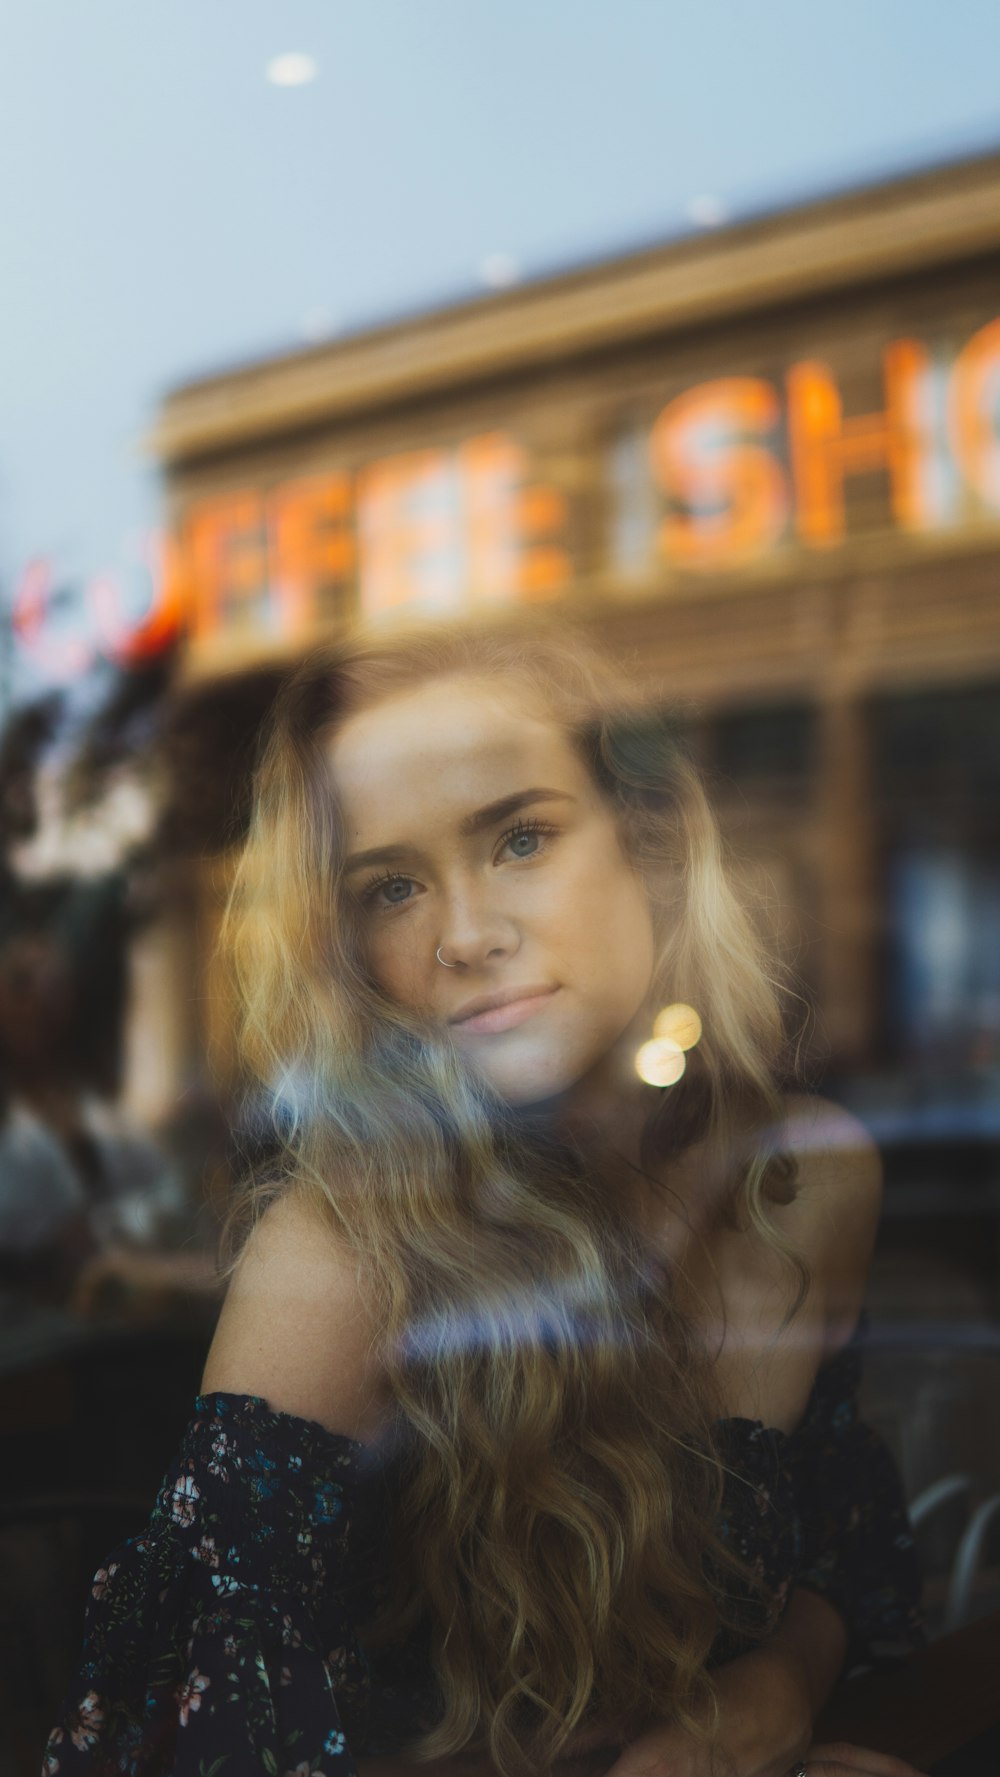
(226, 559)
(733, 491)
(491, 469)
(545, 567)
(513, 533)
(311, 545)
(121, 638)
(408, 534)
(973, 404)
(825, 447)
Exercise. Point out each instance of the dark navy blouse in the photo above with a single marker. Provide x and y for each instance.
(223, 1640)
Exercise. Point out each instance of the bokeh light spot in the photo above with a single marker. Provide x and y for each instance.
(660, 1062)
(291, 69)
(707, 211)
(499, 270)
(680, 1023)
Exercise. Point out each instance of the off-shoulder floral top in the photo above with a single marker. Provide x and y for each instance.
(223, 1640)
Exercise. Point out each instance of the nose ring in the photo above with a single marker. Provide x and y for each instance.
(441, 960)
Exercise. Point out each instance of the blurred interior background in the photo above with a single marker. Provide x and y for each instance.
(684, 326)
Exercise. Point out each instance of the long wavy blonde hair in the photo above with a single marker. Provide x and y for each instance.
(557, 1512)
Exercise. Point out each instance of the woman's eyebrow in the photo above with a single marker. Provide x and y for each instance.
(487, 816)
(508, 805)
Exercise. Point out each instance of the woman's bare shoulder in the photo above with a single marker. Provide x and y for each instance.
(839, 1202)
(296, 1327)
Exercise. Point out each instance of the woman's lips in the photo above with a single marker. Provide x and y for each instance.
(505, 1017)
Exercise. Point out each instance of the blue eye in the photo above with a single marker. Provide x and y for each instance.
(384, 888)
(526, 840)
(523, 844)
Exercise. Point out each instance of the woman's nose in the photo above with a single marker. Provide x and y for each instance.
(475, 932)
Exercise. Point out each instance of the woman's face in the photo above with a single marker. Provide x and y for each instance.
(473, 827)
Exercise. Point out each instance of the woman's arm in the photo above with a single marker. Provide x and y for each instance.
(771, 1696)
(766, 1729)
(225, 1635)
(812, 1636)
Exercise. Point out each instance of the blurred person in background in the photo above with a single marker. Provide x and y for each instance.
(81, 1189)
(45, 1157)
(528, 1439)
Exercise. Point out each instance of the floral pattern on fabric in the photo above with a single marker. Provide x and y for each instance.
(858, 1548)
(224, 1640)
(221, 1640)
(823, 1507)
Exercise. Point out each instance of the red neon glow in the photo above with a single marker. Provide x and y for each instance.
(65, 655)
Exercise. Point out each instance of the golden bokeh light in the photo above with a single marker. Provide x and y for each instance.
(660, 1062)
(680, 1023)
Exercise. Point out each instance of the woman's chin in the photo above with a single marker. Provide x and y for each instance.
(526, 1081)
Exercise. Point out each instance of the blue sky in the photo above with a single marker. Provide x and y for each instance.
(167, 211)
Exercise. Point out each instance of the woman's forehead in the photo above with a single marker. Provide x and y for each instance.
(456, 743)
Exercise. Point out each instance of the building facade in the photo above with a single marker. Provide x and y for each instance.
(763, 465)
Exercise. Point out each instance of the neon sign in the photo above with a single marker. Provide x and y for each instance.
(744, 465)
(730, 471)
(432, 530)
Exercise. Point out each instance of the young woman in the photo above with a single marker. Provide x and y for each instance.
(528, 1439)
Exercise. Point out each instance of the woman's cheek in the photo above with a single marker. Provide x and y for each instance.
(401, 949)
(384, 957)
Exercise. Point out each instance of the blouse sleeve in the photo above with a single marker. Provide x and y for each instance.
(220, 1641)
(857, 1546)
